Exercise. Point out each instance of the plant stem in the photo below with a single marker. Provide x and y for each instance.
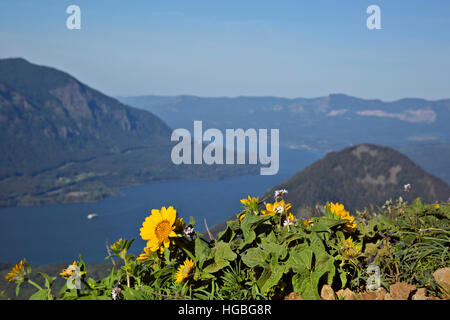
(34, 284)
(126, 269)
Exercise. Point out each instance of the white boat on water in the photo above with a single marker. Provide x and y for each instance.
(92, 216)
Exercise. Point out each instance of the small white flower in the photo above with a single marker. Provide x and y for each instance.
(280, 193)
(407, 187)
(115, 293)
(279, 209)
(288, 222)
(188, 233)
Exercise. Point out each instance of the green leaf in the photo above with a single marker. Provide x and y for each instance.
(216, 266)
(27, 266)
(166, 254)
(309, 274)
(226, 235)
(254, 257)
(222, 255)
(48, 280)
(202, 251)
(248, 225)
(276, 250)
(111, 278)
(270, 277)
(309, 291)
(324, 265)
(292, 237)
(129, 243)
(295, 262)
(103, 297)
(133, 294)
(41, 295)
(325, 224)
(271, 238)
(191, 221)
(224, 252)
(343, 277)
(88, 297)
(69, 295)
(202, 275)
(304, 284)
(249, 237)
(18, 288)
(306, 257)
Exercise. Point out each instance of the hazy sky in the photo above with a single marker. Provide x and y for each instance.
(244, 47)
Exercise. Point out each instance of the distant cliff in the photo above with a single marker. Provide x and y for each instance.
(62, 141)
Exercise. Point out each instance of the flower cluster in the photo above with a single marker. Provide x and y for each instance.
(160, 230)
(278, 207)
(258, 255)
(339, 212)
(280, 193)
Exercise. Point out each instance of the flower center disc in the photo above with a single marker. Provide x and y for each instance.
(162, 230)
(185, 270)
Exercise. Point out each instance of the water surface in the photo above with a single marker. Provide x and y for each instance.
(58, 233)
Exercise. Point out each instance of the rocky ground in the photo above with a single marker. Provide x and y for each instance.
(397, 291)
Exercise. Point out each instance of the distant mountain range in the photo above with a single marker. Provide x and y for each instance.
(417, 127)
(61, 140)
(360, 176)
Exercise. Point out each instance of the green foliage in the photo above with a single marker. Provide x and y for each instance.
(411, 242)
(262, 256)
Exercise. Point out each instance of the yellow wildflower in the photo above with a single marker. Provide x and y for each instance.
(350, 249)
(118, 246)
(307, 222)
(290, 220)
(249, 201)
(145, 255)
(183, 270)
(69, 271)
(339, 211)
(277, 207)
(17, 273)
(159, 227)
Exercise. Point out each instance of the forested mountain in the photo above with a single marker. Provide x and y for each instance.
(61, 140)
(362, 175)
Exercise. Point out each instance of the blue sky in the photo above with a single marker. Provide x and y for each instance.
(231, 48)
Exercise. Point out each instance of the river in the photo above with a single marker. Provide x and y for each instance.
(59, 233)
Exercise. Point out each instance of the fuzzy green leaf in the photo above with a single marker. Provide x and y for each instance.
(41, 295)
(224, 252)
(270, 277)
(202, 251)
(254, 257)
